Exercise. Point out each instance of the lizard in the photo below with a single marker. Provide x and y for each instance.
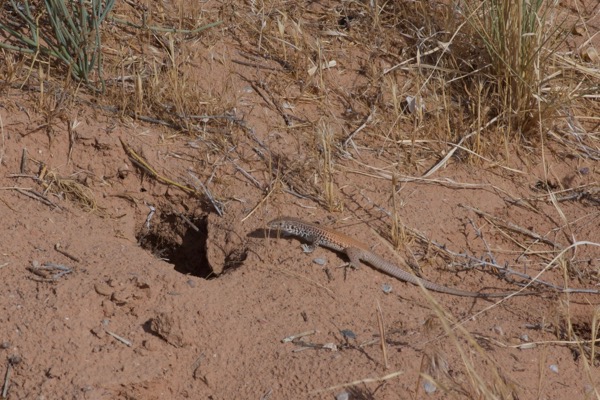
(356, 252)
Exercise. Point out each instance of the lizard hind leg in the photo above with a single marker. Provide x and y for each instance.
(353, 255)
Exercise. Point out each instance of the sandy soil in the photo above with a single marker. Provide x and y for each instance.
(165, 298)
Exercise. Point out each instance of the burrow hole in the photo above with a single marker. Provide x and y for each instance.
(179, 240)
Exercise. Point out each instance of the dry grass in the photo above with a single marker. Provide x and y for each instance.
(73, 190)
(420, 70)
(520, 40)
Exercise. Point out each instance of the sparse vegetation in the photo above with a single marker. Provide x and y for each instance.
(58, 30)
(520, 39)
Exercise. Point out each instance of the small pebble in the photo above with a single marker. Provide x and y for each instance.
(347, 333)
(5, 345)
(584, 171)
(86, 388)
(14, 360)
(342, 396)
(429, 387)
(554, 368)
(320, 261)
(387, 289)
(498, 330)
(122, 172)
(524, 337)
(103, 289)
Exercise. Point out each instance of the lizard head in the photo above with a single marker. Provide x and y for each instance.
(281, 224)
(288, 226)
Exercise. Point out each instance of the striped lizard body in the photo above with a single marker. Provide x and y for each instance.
(356, 252)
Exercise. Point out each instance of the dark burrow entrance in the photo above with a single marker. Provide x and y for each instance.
(178, 239)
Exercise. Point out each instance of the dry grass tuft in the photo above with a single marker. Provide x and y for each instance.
(325, 138)
(520, 39)
(76, 192)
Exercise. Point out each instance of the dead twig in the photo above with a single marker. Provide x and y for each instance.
(37, 196)
(360, 128)
(513, 227)
(247, 175)
(217, 205)
(360, 382)
(6, 380)
(297, 336)
(187, 221)
(444, 160)
(12, 361)
(259, 87)
(143, 164)
(65, 253)
(23, 166)
(382, 335)
(47, 271)
(501, 270)
(119, 338)
(253, 65)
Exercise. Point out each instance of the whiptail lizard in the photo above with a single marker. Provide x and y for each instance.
(356, 252)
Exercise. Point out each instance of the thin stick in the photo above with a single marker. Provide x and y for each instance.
(257, 85)
(501, 269)
(355, 383)
(247, 175)
(360, 128)
(154, 28)
(119, 338)
(215, 203)
(265, 197)
(6, 380)
(444, 160)
(23, 167)
(513, 227)
(291, 338)
(248, 64)
(66, 253)
(382, 335)
(36, 196)
(143, 164)
(190, 223)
